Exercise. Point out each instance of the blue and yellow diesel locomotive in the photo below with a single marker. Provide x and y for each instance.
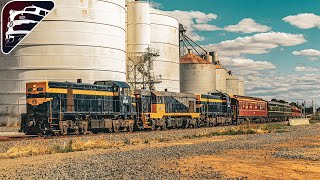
(65, 107)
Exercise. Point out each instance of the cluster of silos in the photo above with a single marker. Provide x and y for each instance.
(197, 75)
(78, 40)
(88, 40)
(227, 82)
(208, 75)
(150, 28)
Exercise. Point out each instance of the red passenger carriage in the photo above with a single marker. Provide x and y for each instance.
(249, 108)
(296, 112)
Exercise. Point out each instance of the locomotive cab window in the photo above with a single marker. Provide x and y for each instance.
(159, 100)
(125, 91)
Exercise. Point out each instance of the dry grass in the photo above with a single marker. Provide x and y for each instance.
(3, 124)
(93, 144)
(239, 130)
(10, 124)
(77, 145)
(26, 151)
(70, 146)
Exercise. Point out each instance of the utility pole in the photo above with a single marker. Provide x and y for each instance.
(304, 106)
(313, 108)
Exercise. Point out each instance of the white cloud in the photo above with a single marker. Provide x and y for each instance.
(257, 44)
(261, 79)
(312, 54)
(243, 66)
(305, 69)
(155, 5)
(199, 21)
(291, 87)
(304, 21)
(194, 20)
(247, 25)
(206, 27)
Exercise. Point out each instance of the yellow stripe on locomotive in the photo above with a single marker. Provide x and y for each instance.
(43, 87)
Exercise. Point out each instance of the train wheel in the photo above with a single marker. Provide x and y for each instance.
(116, 128)
(131, 127)
(187, 123)
(198, 123)
(164, 126)
(77, 131)
(153, 125)
(65, 130)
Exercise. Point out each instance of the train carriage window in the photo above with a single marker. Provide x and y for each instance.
(39, 89)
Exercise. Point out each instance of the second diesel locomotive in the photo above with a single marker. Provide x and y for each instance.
(110, 106)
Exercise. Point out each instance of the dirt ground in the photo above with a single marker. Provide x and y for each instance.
(258, 163)
(251, 165)
(289, 155)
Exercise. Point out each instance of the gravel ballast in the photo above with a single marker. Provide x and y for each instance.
(137, 163)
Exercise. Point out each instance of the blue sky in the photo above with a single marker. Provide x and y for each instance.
(274, 45)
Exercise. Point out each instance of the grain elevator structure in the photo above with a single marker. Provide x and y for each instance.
(121, 40)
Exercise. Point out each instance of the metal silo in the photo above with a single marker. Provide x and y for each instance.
(197, 75)
(80, 39)
(221, 79)
(165, 38)
(232, 85)
(241, 88)
(139, 29)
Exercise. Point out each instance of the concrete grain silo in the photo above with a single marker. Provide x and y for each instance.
(221, 79)
(241, 88)
(197, 75)
(232, 85)
(165, 38)
(80, 39)
(139, 29)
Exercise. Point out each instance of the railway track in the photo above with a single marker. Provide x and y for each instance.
(39, 137)
(22, 137)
